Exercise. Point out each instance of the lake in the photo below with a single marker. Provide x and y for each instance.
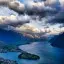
(47, 53)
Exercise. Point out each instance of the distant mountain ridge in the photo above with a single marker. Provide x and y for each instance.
(11, 37)
(58, 41)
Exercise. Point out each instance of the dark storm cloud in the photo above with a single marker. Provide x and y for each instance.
(59, 18)
(35, 13)
(31, 7)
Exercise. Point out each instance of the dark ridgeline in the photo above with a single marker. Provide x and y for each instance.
(9, 36)
(14, 38)
(58, 41)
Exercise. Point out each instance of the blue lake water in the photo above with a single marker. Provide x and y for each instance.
(47, 53)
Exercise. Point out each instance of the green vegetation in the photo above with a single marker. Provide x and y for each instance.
(25, 55)
(8, 48)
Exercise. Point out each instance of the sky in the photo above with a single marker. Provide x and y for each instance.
(40, 16)
(22, 1)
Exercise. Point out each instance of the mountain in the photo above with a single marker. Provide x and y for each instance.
(14, 38)
(11, 37)
(58, 41)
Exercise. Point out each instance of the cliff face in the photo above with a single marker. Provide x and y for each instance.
(58, 41)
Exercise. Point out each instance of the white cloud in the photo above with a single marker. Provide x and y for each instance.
(62, 4)
(31, 29)
(5, 2)
(30, 6)
(17, 6)
(10, 18)
(5, 11)
(50, 2)
(37, 5)
(40, 26)
(14, 20)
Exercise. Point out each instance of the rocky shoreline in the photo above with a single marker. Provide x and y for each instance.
(4, 50)
(8, 48)
(7, 61)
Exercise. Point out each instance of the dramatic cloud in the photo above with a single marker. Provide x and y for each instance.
(17, 6)
(50, 2)
(31, 7)
(13, 20)
(36, 26)
(5, 2)
(5, 11)
(62, 4)
(32, 31)
(59, 18)
(35, 16)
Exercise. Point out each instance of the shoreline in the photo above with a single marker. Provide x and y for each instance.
(7, 61)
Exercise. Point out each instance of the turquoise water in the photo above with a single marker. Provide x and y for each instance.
(47, 53)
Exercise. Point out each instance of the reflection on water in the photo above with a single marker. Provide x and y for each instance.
(47, 53)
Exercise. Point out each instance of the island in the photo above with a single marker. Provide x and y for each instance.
(25, 55)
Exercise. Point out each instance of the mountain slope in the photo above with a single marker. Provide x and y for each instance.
(58, 41)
